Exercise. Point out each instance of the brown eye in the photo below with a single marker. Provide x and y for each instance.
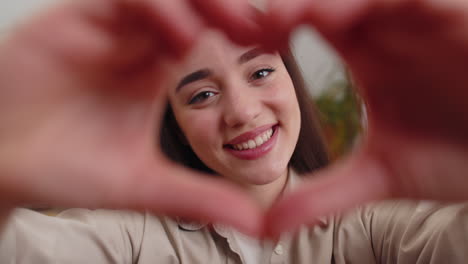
(200, 97)
(263, 73)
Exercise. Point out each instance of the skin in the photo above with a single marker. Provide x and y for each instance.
(68, 120)
(239, 99)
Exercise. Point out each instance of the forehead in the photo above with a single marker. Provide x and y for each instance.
(211, 46)
(212, 50)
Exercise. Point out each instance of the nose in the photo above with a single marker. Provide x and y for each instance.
(241, 106)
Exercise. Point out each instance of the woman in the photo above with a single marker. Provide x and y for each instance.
(93, 95)
(306, 156)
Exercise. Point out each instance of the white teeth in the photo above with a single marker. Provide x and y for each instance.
(259, 141)
(256, 142)
(251, 144)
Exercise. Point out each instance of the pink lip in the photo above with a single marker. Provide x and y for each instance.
(252, 154)
(250, 135)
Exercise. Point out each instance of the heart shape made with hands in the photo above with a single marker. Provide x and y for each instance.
(408, 57)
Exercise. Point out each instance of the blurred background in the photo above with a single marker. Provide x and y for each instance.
(328, 81)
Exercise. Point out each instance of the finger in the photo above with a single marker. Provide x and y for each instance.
(332, 14)
(62, 33)
(238, 18)
(341, 187)
(280, 20)
(176, 20)
(177, 191)
(174, 23)
(87, 31)
(328, 17)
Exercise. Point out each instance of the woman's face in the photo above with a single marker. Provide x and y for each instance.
(237, 109)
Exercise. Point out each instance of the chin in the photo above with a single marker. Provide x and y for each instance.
(262, 177)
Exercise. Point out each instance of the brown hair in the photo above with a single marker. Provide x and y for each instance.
(310, 152)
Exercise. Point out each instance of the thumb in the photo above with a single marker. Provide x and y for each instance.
(178, 191)
(356, 180)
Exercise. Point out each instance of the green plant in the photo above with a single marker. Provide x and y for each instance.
(340, 113)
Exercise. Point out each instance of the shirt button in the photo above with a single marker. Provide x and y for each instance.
(279, 250)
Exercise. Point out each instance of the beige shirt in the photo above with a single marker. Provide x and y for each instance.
(389, 232)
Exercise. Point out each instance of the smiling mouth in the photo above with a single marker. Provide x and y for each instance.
(254, 143)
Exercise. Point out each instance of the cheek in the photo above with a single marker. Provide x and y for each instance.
(284, 101)
(199, 128)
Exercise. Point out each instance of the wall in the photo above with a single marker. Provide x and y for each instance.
(14, 11)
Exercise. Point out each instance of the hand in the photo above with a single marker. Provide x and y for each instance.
(409, 58)
(79, 101)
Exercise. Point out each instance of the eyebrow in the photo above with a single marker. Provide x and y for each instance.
(205, 73)
(250, 55)
(193, 77)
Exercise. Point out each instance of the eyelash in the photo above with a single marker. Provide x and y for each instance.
(199, 97)
(268, 70)
(203, 95)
